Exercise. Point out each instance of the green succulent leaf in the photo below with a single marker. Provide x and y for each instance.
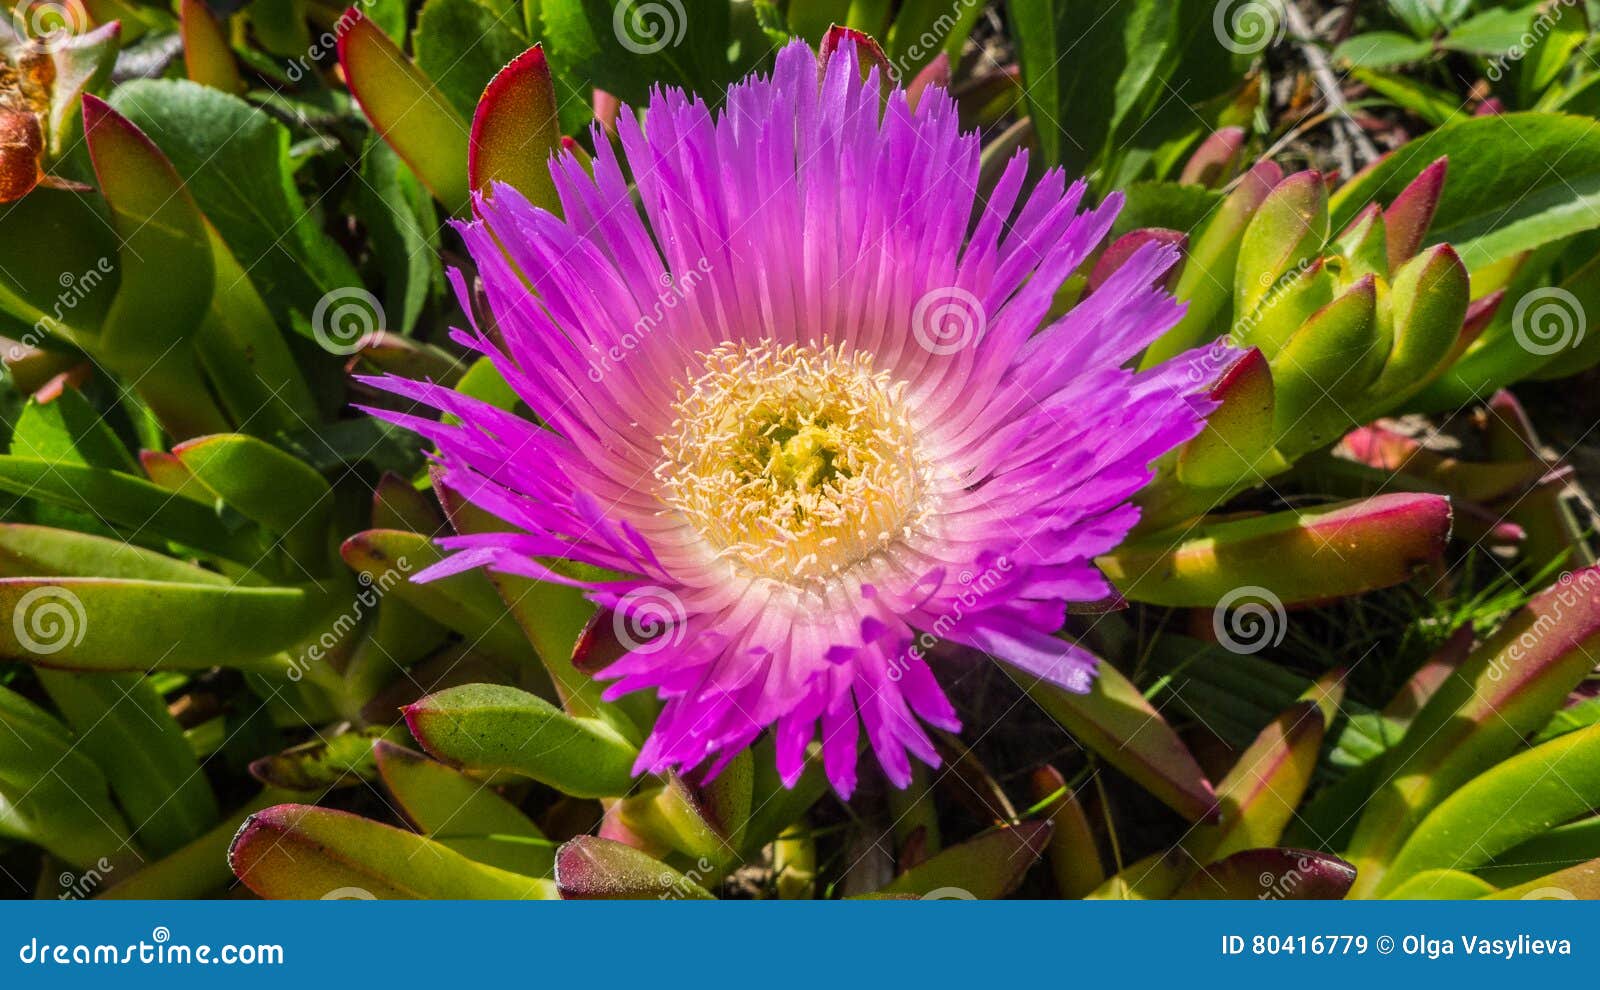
(1297, 556)
(122, 723)
(296, 852)
(1503, 692)
(490, 727)
(1116, 721)
(591, 868)
(987, 867)
(1511, 803)
(105, 624)
(465, 814)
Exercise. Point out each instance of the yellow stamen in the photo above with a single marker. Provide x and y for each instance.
(793, 462)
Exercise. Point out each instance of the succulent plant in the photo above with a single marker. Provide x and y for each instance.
(221, 669)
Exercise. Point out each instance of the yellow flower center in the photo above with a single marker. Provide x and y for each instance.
(793, 462)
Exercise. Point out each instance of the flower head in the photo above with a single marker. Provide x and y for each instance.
(805, 401)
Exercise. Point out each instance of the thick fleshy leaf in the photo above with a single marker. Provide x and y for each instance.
(1298, 556)
(1217, 158)
(207, 59)
(266, 486)
(1408, 218)
(1074, 856)
(235, 160)
(450, 807)
(1428, 304)
(1260, 794)
(407, 109)
(1571, 844)
(122, 723)
(1575, 883)
(1325, 369)
(121, 624)
(344, 759)
(1508, 804)
(1382, 447)
(1441, 885)
(1206, 283)
(44, 551)
(1116, 721)
(148, 332)
(1289, 227)
(51, 793)
(675, 817)
(516, 129)
(1124, 247)
(297, 852)
(1503, 692)
(987, 867)
(489, 727)
(1271, 874)
(1238, 432)
(590, 868)
(132, 504)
